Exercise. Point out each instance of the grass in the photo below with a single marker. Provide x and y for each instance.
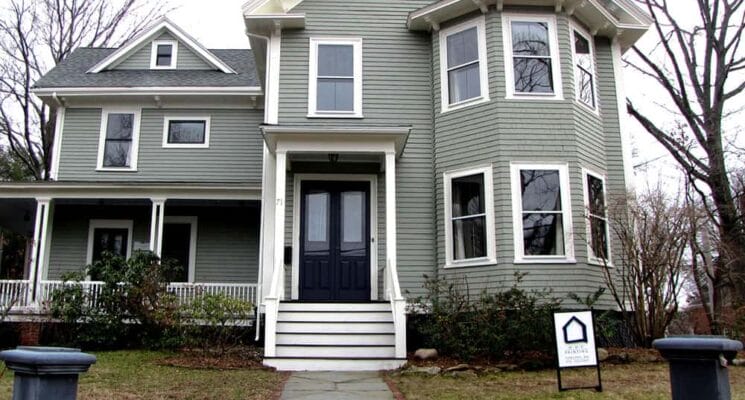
(628, 382)
(130, 375)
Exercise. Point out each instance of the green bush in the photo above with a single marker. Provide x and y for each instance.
(132, 307)
(217, 321)
(504, 325)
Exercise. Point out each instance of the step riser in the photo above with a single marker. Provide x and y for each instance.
(320, 327)
(350, 307)
(335, 316)
(333, 365)
(327, 339)
(329, 351)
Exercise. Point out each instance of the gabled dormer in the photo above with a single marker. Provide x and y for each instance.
(163, 46)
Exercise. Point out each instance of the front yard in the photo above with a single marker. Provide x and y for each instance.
(638, 381)
(131, 375)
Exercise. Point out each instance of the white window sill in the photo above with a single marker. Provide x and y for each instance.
(544, 260)
(535, 97)
(186, 146)
(111, 169)
(599, 263)
(476, 262)
(465, 104)
(332, 115)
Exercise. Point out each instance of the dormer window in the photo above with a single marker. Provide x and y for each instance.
(164, 54)
(335, 78)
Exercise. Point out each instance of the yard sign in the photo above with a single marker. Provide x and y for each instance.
(575, 344)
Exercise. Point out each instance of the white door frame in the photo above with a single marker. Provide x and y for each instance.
(191, 220)
(373, 180)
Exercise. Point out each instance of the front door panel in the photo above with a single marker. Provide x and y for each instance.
(335, 241)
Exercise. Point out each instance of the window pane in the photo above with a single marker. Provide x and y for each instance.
(598, 238)
(316, 214)
(464, 83)
(543, 234)
(541, 190)
(530, 38)
(335, 94)
(353, 216)
(596, 196)
(163, 55)
(468, 195)
(581, 45)
(462, 47)
(585, 88)
(111, 240)
(116, 153)
(533, 75)
(119, 126)
(186, 131)
(469, 238)
(335, 60)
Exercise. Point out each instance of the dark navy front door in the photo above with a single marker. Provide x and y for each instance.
(335, 241)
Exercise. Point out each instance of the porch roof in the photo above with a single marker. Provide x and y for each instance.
(130, 190)
(331, 139)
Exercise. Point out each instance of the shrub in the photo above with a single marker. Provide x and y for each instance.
(502, 325)
(217, 321)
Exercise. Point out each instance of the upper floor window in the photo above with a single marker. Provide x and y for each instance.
(531, 57)
(118, 142)
(335, 81)
(542, 217)
(186, 131)
(463, 69)
(469, 215)
(163, 55)
(597, 218)
(584, 68)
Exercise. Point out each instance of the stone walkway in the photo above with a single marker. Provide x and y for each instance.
(336, 385)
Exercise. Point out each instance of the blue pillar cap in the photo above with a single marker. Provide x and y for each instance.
(47, 360)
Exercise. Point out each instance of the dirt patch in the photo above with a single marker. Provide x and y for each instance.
(241, 358)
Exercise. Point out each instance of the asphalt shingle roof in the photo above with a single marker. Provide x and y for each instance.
(72, 72)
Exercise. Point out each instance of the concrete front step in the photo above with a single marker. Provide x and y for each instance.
(333, 364)
(306, 338)
(335, 327)
(336, 351)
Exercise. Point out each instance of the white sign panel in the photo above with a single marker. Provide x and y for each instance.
(575, 339)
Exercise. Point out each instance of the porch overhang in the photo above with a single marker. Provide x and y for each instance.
(101, 190)
(336, 139)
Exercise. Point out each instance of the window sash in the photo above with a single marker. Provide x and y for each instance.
(173, 140)
(164, 57)
(126, 160)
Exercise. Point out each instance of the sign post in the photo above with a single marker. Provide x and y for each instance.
(575, 345)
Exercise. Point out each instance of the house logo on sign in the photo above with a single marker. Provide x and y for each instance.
(575, 331)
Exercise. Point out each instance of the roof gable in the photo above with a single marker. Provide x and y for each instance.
(160, 27)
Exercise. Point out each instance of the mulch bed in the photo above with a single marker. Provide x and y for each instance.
(239, 358)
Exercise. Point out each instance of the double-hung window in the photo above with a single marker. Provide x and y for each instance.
(163, 54)
(118, 142)
(531, 57)
(597, 218)
(542, 216)
(469, 217)
(464, 77)
(335, 81)
(186, 131)
(584, 68)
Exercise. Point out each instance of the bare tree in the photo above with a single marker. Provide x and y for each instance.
(699, 66)
(36, 35)
(650, 235)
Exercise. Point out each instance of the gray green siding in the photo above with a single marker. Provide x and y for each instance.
(227, 238)
(396, 91)
(185, 58)
(234, 153)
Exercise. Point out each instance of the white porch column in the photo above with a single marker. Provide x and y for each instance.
(156, 225)
(390, 214)
(279, 217)
(39, 249)
(266, 255)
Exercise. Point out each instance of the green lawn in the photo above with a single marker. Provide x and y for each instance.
(628, 382)
(137, 375)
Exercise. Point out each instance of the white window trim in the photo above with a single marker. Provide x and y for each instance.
(356, 43)
(509, 74)
(491, 248)
(135, 139)
(517, 220)
(94, 224)
(586, 189)
(191, 220)
(154, 54)
(576, 28)
(166, 125)
(480, 24)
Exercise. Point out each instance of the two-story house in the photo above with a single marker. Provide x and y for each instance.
(357, 146)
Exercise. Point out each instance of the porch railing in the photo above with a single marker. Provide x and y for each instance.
(16, 293)
(398, 307)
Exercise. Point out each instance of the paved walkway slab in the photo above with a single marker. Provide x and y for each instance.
(336, 385)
